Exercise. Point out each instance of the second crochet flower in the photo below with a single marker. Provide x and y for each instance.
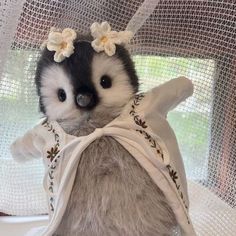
(105, 39)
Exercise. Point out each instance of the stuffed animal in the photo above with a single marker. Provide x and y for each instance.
(112, 162)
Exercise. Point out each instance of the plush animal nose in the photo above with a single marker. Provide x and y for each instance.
(84, 100)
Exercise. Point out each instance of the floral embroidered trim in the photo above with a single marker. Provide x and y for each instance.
(153, 144)
(174, 177)
(105, 39)
(60, 41)
(140, 122)
(136, 117)
(53, 157)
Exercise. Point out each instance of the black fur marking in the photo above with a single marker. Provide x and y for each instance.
(45, 61)
(78, 65)
(125, 58)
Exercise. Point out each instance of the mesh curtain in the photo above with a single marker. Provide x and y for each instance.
(179, 37)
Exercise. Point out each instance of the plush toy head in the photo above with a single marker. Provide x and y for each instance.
(85, 82)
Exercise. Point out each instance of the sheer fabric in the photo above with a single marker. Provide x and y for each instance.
(180, 38)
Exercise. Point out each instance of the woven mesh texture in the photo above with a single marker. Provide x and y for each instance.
(180, 38)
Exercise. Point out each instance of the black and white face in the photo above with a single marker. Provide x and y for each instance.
(85, 82)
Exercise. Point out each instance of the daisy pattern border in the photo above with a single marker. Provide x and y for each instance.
(53, 161)
(153, 144)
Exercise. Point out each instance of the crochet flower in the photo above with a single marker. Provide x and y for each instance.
(61, 43)
(105, 39)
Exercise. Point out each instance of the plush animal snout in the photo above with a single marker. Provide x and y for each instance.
(84, 100)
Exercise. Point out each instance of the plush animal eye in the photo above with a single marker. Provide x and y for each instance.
(61, 95)
(105, 82)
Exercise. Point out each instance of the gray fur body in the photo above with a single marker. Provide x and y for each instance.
(112, 194)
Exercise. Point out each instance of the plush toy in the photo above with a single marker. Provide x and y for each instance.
(113, 166)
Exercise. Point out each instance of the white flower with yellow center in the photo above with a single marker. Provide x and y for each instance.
(105, 39)
(61, 43)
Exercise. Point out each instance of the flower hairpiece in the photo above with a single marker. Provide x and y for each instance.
(105, 39)
(61, 41)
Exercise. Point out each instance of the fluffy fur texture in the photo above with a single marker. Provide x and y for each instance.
(112, 193)
(52, 79)
(111, 98)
